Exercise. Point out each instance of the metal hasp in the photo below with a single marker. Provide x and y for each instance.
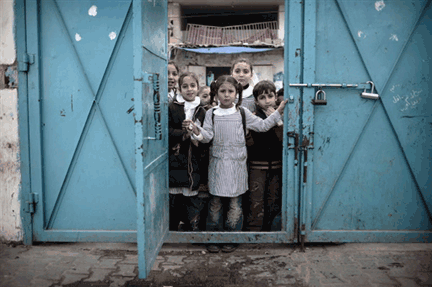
(153, 79)
(370, 95)
(320, 98)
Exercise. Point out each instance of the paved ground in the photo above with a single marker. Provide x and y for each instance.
(102, 264)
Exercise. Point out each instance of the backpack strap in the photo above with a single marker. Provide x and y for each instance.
(243, 115)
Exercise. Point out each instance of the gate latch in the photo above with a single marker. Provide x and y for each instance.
(370, 95)
(296, 145)
(320, 98)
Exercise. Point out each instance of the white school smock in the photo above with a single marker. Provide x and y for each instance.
(228, 176)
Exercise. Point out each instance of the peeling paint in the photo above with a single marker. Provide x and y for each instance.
(112, 35)
(93, 11)
(394, 37)
(12, 76)
(360, 34)
(77, 37)
(379, 5)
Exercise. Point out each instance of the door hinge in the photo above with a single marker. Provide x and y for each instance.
(33, 199)
(24, 60)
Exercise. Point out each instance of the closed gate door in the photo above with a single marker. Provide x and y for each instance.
(81, 120)
(365, 155)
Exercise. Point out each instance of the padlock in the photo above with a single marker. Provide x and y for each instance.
(320, 101)
(370, 95)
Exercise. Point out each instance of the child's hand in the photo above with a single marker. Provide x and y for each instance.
(281, 107)
(190, 127)
(269, 111)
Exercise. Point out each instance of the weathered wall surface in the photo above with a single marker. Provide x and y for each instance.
(10, 176)
(272, 58)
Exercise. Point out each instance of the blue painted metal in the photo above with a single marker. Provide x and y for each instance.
(151, 128)
(227, 50)
(23, 120)
(292, 116)
(367, 175)
(80, 121)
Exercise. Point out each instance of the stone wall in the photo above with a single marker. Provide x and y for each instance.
(10, 176)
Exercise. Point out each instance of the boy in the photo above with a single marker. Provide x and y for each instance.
(263, 200)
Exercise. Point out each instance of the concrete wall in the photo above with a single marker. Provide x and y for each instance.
(10, 176)
(274, 58)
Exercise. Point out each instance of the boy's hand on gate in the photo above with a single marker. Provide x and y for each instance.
(281, 107)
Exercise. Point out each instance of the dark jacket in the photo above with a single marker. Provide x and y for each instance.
(267, 146)
(184, 156)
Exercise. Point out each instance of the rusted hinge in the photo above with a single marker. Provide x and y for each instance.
(31, 203)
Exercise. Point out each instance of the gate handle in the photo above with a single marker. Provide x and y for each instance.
(153, 78)
(157, 107)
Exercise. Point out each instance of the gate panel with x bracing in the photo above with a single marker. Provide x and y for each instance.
(81, 120)
(366, 161)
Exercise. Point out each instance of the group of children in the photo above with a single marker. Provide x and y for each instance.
(225, 145)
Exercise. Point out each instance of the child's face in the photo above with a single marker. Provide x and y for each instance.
(189, 89)
(226, 95)
(205, 96)
(266, 100)
(242, 72)
(173, 76)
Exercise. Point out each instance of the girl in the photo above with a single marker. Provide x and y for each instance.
(173, 76)
(185, 153)
(228, 177)
(242, 71)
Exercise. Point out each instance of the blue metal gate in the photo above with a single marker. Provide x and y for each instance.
(355, 169)
(365, 160)
(81, 120)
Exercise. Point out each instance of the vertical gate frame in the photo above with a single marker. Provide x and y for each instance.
(23, 122)
(307, 123)
(293, 54)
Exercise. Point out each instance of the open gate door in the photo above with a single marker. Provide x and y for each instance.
(366, 154)
(151, 128)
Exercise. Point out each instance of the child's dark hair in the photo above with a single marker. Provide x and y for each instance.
(171, 62)
(215, 85)
(187, 74)
(280, 92)
(241, 60)
(263, 87)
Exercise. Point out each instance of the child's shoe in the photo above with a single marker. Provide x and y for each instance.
(213, 248)
(227, 248)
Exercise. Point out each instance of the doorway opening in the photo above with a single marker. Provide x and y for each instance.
(212, 73)
(261, 221)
